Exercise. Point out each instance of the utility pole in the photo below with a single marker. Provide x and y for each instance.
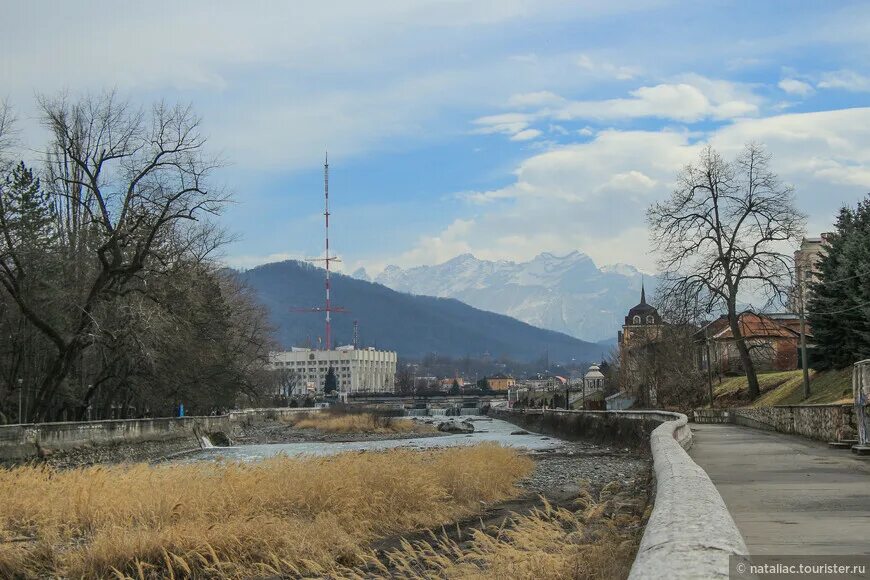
(709, 365)
(804, 362)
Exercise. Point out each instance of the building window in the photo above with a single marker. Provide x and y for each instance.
(650, 319)
(637, 319)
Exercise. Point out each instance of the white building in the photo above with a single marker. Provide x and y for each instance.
(593, 380)
(356, 370)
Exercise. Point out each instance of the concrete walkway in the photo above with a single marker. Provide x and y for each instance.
(788, 495)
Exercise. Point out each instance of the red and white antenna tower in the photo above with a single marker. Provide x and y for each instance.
(327, 260)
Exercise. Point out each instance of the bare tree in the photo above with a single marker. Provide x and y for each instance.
(404, 380)
(722, 237)
(129, 184)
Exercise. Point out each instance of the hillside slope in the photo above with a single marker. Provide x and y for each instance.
(786, 388)
(411, 325)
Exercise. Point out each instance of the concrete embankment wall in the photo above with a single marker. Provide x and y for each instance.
(820, 422)
(31, 440)
(690, 533)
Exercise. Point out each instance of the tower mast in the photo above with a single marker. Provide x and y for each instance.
(327, 259)
(328, 308)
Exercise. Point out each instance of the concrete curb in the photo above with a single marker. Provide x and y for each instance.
(690, 533)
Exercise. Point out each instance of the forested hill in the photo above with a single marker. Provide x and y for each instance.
(411, 325)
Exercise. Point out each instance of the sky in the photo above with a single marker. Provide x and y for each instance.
(499, 128)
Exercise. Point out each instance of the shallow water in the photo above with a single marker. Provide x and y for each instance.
(494, 431)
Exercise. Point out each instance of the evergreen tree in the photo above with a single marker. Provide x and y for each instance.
(330, 383)
(454, 388)
(28, 216)
(839, 309)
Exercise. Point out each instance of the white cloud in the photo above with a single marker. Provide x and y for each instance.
(535, 99)
(593, 196)
(506, 123)
(601, 67)
(526, 135)
(689, 99)
(436, 249)
(795, 87)
(845, 79)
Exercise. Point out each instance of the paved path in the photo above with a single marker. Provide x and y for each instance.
(788, 495)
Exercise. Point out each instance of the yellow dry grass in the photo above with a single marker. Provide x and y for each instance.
(597, 541)
(786, 388)
(296, 516)
(358, 423)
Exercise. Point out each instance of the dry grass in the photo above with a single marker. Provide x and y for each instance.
(786, 388)
(358, 423)
(282, 515)
(597, 541)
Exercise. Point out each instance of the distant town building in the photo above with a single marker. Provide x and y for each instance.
(447, 383)
(363, 370)
(642, 329)
(543, 383)
(806, 263)
(501, 382)
(642, 325)
(593, 380)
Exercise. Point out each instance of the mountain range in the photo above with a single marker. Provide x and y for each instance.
(412, 325)
(568, 294)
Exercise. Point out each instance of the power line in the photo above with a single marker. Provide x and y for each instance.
(814, 313)
(826, 281)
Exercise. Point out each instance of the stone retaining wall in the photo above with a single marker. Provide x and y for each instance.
(32, 440)
(690, 533)
(820, 422)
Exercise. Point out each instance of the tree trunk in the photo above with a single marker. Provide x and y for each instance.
(743, 350)
(51, 383)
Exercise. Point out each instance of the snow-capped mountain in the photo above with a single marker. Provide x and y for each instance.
(568, 294)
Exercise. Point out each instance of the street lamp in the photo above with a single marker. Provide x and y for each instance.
(20, 390)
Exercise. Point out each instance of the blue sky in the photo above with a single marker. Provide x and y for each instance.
(504, 129)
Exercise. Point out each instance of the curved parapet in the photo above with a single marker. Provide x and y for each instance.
(690, 533)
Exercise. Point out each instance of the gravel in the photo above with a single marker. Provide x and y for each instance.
(562, 472)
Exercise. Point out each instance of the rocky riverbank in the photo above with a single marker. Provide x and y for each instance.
(278, 432)
(561, 473)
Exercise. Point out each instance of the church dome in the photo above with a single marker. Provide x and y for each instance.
(643, 313)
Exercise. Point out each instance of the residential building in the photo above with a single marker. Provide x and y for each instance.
(773, 341)
(501, 382)
(357, 370)
(806, 264)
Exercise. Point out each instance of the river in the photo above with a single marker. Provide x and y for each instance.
(486, 431)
